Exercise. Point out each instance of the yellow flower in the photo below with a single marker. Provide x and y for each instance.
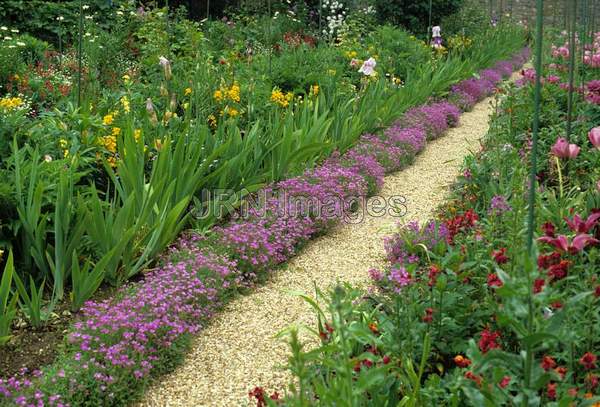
(137, 133)
(125, 104)
(188, 91)
(108, 119)
(116, 131)
(112, 161)
(232, 112)
(279, 98)
(167, 116)
(9, 104)
(331, 72)
(126, 78)
(66, 153)
(158, 144)
(110, 143)
(186, 106)
(212, 121)
(234, 92)
(351, 54)
(62, 143)
(218, 95)
(314, 89)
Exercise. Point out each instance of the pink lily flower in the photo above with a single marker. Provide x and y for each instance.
(578, 225)
(580, 242)
(562, 149)
(594, 136)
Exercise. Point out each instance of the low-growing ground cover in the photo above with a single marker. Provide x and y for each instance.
(462, 316)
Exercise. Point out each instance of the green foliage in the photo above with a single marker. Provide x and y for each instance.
(414, 15)
(8, 300)
(470, 19)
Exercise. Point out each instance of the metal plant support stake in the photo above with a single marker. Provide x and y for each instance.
(532, 188)
(429, 28)
(269, 40)
(207, 9)
(572, 51)
(79, 53)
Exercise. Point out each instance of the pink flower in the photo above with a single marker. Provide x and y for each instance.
(562, 242)
(580, 226)
(368, 67)
(594, 136)
(562, 149)
(553, 79)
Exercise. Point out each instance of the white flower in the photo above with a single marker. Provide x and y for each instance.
(119, 13)
(163, 61)
(60, 18)
(436, 31)
(20, 44)
(3, 28)
(8, 38)
(47, 158)
(368, 67)
(85, 7)
(14, 30)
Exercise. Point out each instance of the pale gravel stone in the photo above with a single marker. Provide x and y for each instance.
(238, 350)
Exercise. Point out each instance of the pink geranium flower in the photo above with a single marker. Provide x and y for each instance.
(562, 149)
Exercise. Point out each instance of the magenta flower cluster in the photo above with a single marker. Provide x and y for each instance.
(118, 344)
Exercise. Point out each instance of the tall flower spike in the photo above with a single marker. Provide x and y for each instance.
(166, 64)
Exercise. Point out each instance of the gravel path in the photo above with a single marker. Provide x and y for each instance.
(238, 350)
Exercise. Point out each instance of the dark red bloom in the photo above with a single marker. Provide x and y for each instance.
(547, 260)
(597, 291)
(556, 305)
(591, 381)
(433, 273)
(428, 317)
(324, 335)
(561, 371)
(548, 363)
(460, 223)
(551, 391)
(549, 229)
(494, 281)
(500, 256)
(588, 360)
(386, 359)
(504, 382)
(472, 376)
(559, 271)
(489, 340)
(259, 394)
(367, 363)
(462, 361)
(538, 285)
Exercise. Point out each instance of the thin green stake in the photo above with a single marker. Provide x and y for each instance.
(80, 53)
(572, 51)
(529, 353)
(430, 27)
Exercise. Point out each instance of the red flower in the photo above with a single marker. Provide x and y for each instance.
(538, 285)
(561, 371)
(373, 328)
(559, 271)
(548, 229)
(551, 391)
(472, 376)
(588, 360)
(367, 363)
(488, 340)
(494, 281)
(597, 291)
(433, 273)
(324, 335)
(548, 363)
(591, 381)
(504, 382)
(461, 361)
(547, 260)
(357, 367)
(500, 256)
(386, 359)
(428, 317)
(556, 305)
(259, 394)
